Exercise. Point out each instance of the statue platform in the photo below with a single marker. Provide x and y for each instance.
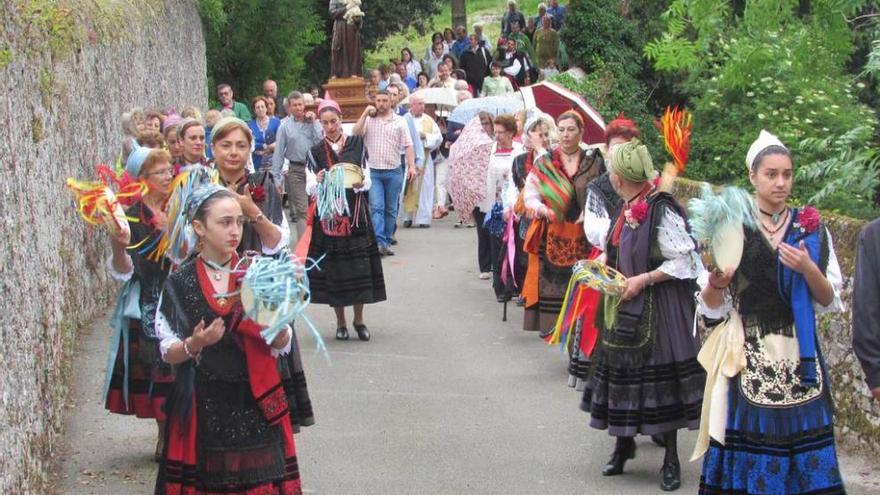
(351, 95)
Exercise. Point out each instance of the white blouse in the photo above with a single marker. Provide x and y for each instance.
(675, 243)
(497, 174)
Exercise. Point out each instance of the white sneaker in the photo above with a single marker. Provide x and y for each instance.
(485, 276)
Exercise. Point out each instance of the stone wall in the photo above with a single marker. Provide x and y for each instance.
(68, 69)
(857, 414)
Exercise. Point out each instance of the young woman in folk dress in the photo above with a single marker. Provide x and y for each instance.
(351, 269)
(230, 429)
(779, 434)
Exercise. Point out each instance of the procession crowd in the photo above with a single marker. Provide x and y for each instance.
(283, 175)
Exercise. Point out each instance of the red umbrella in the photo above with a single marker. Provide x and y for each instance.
(554, 99)
(468, 162)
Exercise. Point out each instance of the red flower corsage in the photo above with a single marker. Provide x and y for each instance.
(808, 220)
(258, 194)
(637, 214)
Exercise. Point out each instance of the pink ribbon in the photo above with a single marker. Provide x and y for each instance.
(508, 264)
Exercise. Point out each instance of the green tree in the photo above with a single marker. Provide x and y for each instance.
(248, 41)
(780, 65)
(604, 38)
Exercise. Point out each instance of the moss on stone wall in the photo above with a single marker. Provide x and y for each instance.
(68, 70)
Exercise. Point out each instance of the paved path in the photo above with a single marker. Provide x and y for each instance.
(446, 399)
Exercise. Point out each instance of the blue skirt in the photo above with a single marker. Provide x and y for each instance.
(775, 449)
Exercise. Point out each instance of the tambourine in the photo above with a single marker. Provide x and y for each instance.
(354, 174)
(601, 277)
(267, 306)
(725, 249)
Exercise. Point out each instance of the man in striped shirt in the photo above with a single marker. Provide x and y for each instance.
(385, 134)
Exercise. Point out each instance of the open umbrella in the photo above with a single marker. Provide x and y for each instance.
(467, 162)
(495, 105)
(444, 97)
(554, 99)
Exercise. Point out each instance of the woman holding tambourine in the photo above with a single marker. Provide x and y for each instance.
(350, 271)
(775, 433)
(645, 379)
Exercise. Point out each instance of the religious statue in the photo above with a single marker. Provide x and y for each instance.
(346, 58)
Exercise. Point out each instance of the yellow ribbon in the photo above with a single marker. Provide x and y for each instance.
(723, 356)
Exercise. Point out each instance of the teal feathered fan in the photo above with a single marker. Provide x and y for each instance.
(717, 222)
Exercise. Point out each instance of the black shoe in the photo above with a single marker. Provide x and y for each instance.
(407, 224)
(393, 241)
(424, 226)
(389, 252)
(670, 476)
(341, 333)
(618, 459)
(363, 333)
(658, 440)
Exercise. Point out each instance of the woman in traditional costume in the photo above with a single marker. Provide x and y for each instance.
(779, 434)
(137, 380)
(538, 136)
(554, 194)
(266, 231)
(350, 271)
(645, 378)
(600, 191)
(229, 427)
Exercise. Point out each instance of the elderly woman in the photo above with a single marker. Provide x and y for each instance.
(264, 127)
(497, 175)
(645, 378)
(779, 434)
(138, 381)
(555, 239)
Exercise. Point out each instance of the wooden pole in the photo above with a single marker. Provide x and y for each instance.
(459, 14)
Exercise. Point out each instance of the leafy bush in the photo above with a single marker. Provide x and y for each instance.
(773, 67)
(604, 38)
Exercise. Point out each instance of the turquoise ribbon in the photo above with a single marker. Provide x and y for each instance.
(128, 307)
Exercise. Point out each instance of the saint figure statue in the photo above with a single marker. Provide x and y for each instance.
(346, 58)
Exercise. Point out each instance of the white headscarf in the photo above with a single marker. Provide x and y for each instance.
(764, 141)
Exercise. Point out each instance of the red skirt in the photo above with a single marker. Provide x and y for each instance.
(148, 383)
(179, 474)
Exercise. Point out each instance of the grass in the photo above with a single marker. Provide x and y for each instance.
(488, 12)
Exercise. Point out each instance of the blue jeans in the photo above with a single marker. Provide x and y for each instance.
(384, 201)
